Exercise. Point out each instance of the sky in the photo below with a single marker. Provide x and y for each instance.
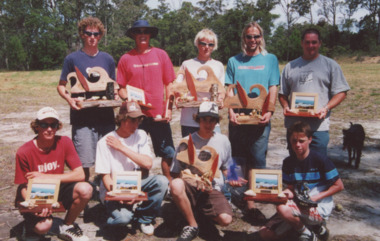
(176, 4)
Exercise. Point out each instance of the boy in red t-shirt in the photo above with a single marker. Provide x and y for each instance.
(45, 157)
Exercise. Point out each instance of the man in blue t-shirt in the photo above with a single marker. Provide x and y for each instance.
(310, 170)
(254, 66)
(91, 124)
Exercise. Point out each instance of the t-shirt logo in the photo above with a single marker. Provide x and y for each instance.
(306, 77)
(258, 67)
(47, 167)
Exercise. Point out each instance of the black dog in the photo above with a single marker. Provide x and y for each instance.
(353, 140)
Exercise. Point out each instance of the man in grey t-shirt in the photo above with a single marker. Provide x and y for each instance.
(313, 73)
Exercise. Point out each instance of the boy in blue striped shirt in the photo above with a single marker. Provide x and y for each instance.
(313, 171)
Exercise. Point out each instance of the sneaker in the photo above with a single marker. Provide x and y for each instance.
(147, 228)
(322, 232)
(307, 235)
(188, 233)
(71, 233)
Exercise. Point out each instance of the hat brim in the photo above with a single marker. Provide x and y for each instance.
(134, 115)
(206, 114)
(153, 31)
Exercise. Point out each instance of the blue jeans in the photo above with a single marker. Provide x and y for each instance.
(250, 142)
(121, 214)
(85, 139)
(319, 142)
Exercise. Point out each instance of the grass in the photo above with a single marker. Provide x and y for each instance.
(23, 93)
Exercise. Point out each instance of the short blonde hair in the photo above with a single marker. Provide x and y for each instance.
(207, 34)
(262, 42)
(92, 22)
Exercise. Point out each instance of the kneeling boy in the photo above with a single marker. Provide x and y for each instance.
(313, 171)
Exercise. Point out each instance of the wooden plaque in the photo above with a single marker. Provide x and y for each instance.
(143, 196)
(39, 208)
(42, 191)
(303, 104)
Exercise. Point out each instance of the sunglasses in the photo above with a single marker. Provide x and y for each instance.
(141, 31)
(205, 44)
(252, 36)
(44, 125)
(89, 34)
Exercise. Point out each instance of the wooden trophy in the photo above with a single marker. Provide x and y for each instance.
(199, 170)
(126, 186)
(242, 101)
(40, 194)
(99, 86)
(266, 186)
(192, 86)
(167, 106)
(138, 95)
(303, 105)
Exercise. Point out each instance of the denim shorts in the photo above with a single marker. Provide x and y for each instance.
(85, 139)
(161, 135)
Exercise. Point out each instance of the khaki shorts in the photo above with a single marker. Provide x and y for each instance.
(210, 204)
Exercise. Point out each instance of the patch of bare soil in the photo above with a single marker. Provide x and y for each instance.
(359, 219)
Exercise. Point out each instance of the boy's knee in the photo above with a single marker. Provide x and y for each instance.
(83, 190)
(224, 219)
(177, 187)
(43, 226)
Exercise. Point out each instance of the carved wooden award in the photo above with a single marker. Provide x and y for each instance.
(99, 86)
(199, 170)
(242, 101)
(193, 86)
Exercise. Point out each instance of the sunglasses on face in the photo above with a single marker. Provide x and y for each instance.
(205, 44)
(89, 34)
(141, 31)
(252, 36)
(44, 125)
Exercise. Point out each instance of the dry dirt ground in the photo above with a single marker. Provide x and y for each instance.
(358, 220)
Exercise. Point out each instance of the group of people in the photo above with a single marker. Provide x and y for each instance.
(96, 140)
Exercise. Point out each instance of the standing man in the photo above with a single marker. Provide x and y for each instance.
(254, 66)
(313, 73)
(150, 69)
(190, 199)
(90, 124)
(127, 149)
(45, 157)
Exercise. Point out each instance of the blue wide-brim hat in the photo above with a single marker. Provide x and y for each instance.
(142, 24)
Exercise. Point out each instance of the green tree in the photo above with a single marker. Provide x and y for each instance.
(16, 53)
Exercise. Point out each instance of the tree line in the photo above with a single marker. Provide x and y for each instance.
(38, 34)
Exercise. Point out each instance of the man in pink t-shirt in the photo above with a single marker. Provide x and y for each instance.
(45, 157)
(150, 69)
